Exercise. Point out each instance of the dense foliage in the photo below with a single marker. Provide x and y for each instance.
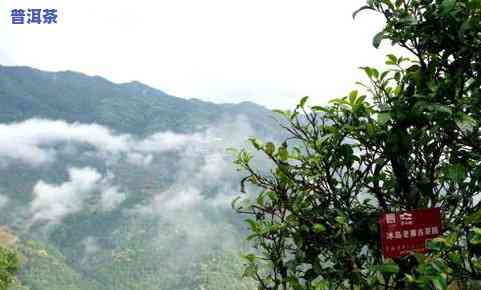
(9, 265)
(411, 139)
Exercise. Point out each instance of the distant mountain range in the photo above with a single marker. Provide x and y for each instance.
(138, 201)
(128, 107)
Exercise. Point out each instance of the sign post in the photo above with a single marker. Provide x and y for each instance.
(409, 231)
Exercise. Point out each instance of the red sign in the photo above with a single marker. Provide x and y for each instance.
(405, 232)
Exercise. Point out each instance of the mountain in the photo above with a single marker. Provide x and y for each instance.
(120, 186)
(129, 107)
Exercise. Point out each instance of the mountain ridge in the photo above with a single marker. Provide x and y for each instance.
(170, 225)
(131, 107)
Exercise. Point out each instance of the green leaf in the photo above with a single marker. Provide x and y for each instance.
(250, 257)
(456, 173)
(341, 220)
(447, 6)
(319, 228)
(437, 244)
(367, 70)
(281, 112)
(272, 195)
(441, 108)
(475, 217)
(384, 117)
(303, 102)
(353, 94)
(325, 138)
(371, 130)
(389, 268)
(376, 41)
(260, 198)
(384, 74)
(283, 153)
(256, 143)
(439, 266)
(391, 59)
(474, 4)
(270, 148)
(319, 109)
(253, 224)
(440, 282)
(397, 76)
(409, 20)
(466, 123)
(322, 285)
(370, 72)
(410, 278)
(249, 271)
(464, 27)
(476, 236)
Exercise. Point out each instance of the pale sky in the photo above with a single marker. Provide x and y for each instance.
(272, 52)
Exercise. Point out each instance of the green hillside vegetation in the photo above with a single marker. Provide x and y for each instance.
(130, 107)
(44, 267)
(9, 261)
(121, 249)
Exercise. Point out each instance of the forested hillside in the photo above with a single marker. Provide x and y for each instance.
(129, 107)
(119, 186)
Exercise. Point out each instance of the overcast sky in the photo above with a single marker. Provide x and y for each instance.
(272, 52)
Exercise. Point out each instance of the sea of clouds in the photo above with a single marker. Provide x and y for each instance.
(201, 163)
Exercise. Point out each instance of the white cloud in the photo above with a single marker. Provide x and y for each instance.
(203, 173)
(28, 141)
(139, 159)
(3, 200)
(111, 198)
(203, 167)
(165, 141)
(214, 167)
(204, 181)
(31, 141)
(177, 199)
(51, 202)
